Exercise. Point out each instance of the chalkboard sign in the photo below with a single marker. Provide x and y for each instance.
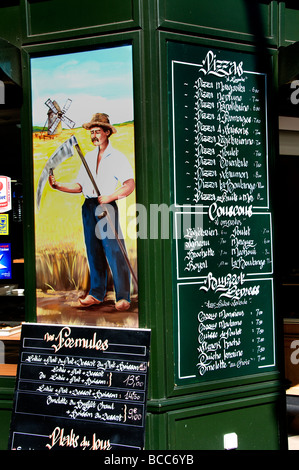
(222, 222)
(80, 388)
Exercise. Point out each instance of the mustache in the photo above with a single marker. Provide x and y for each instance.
(94, 139)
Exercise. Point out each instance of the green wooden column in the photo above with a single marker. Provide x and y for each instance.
(185, 409)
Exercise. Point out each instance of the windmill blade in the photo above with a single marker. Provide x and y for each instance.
(68, 122)
(51, 105)
(67, 105)
(53, 126)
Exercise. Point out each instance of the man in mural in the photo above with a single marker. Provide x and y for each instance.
(108, 167)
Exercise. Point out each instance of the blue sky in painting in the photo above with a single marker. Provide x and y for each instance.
(96, 81)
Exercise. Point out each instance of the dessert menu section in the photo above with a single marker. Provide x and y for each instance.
(224, 327)
(222, 243)
(80, 388)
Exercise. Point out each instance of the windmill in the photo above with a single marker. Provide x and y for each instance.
(56, 116)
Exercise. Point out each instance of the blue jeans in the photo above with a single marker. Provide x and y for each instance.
(102, 247)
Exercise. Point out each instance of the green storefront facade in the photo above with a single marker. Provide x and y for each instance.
(186, 409)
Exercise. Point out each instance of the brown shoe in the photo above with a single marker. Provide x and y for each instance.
(122, 305)
(89, 301)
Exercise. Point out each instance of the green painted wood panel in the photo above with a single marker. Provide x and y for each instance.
(203, 428)
(10, 15)
(5, 416)
(56, 17)
(290, 24)
(7, 385)
(222, 18)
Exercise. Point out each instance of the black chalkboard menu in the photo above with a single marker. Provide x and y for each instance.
(222, 219)
(80, 388)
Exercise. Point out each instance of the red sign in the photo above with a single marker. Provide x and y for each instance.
(5, 194)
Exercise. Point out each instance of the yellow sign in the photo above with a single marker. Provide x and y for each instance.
(3, 224)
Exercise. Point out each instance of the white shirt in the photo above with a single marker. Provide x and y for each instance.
(114, 168)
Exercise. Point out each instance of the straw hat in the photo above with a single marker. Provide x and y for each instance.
(99, 119)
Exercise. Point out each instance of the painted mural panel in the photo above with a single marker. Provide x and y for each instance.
(84, 186)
